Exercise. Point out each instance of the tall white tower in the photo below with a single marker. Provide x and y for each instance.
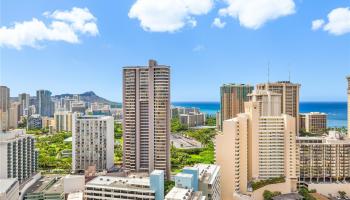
(348, 78)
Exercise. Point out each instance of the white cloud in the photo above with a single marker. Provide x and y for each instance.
(198, 48)
(168, 15)
(65, 26)
(218, 23)
(255, 13)
(338, 21)
(317, 24)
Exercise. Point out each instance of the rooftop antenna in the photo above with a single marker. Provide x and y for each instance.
(289, 76)
(268, 72)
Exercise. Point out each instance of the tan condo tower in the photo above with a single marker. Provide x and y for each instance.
(348, 78)
(146, 118)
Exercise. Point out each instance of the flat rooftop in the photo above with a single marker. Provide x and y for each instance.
(207, 172)
(47, 184)
(183, 194)
(121, 182)
(7, 184)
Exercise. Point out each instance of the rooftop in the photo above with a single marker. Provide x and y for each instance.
(183, 194)
(7, 184)
(75, 196)
(290, 196)
(207, 172)
(47, 184)
(12, 135)
(333, 137)
(99, 117)
(120, 182)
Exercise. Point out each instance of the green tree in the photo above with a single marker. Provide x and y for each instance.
(176, 125)
(268, 195)
(342, 194)
(210, 121)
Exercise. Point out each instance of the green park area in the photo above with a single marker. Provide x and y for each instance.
(55, 149)
(188, 157)
(54, 152)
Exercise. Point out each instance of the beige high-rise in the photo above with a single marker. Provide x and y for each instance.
(348, 78)
(290, 97)
(257, 145)
(313, 122)
(4, 107)
(232, 100)
(146, 121)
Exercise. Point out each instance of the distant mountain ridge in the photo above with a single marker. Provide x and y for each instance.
(90, 97)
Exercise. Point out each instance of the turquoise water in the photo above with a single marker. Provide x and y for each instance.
(337, 111)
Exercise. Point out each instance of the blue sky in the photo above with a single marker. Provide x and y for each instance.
(202, 56)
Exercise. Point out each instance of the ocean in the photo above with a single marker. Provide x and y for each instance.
(337, 111)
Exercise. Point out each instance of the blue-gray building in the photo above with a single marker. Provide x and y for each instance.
(44, 103)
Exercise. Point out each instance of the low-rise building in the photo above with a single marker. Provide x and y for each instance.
(132, 187)
(9, 189)
(184, 194)
(201, 177)
(73, 183)
(46, 188)
(189, 117)
(192, 119)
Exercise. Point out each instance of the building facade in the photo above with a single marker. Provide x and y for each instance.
(14, 115)
(34, 122)
(63, 121)
(23, 99)
(19, 159)
(324, 159)
(4, 107)
(348, 78)
(146, 118)
(45, 106)
(92, 142)
(261, 142)
(9, 189)
(111, 187)
(46, 188)
(232, 98)
(313, 122)
(289, 97)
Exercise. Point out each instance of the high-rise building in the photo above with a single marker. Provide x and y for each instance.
(313, 122)
(92, 142)
(45, 106)
(18, 157)
(146, 118)
(132, 187)
(34, 122)
(262, 144)
(348, 78)
(4, 107)
(289, 97)
(63, 121)
(324, 159)
(232, 98)
(14, 115)
(23, 99)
